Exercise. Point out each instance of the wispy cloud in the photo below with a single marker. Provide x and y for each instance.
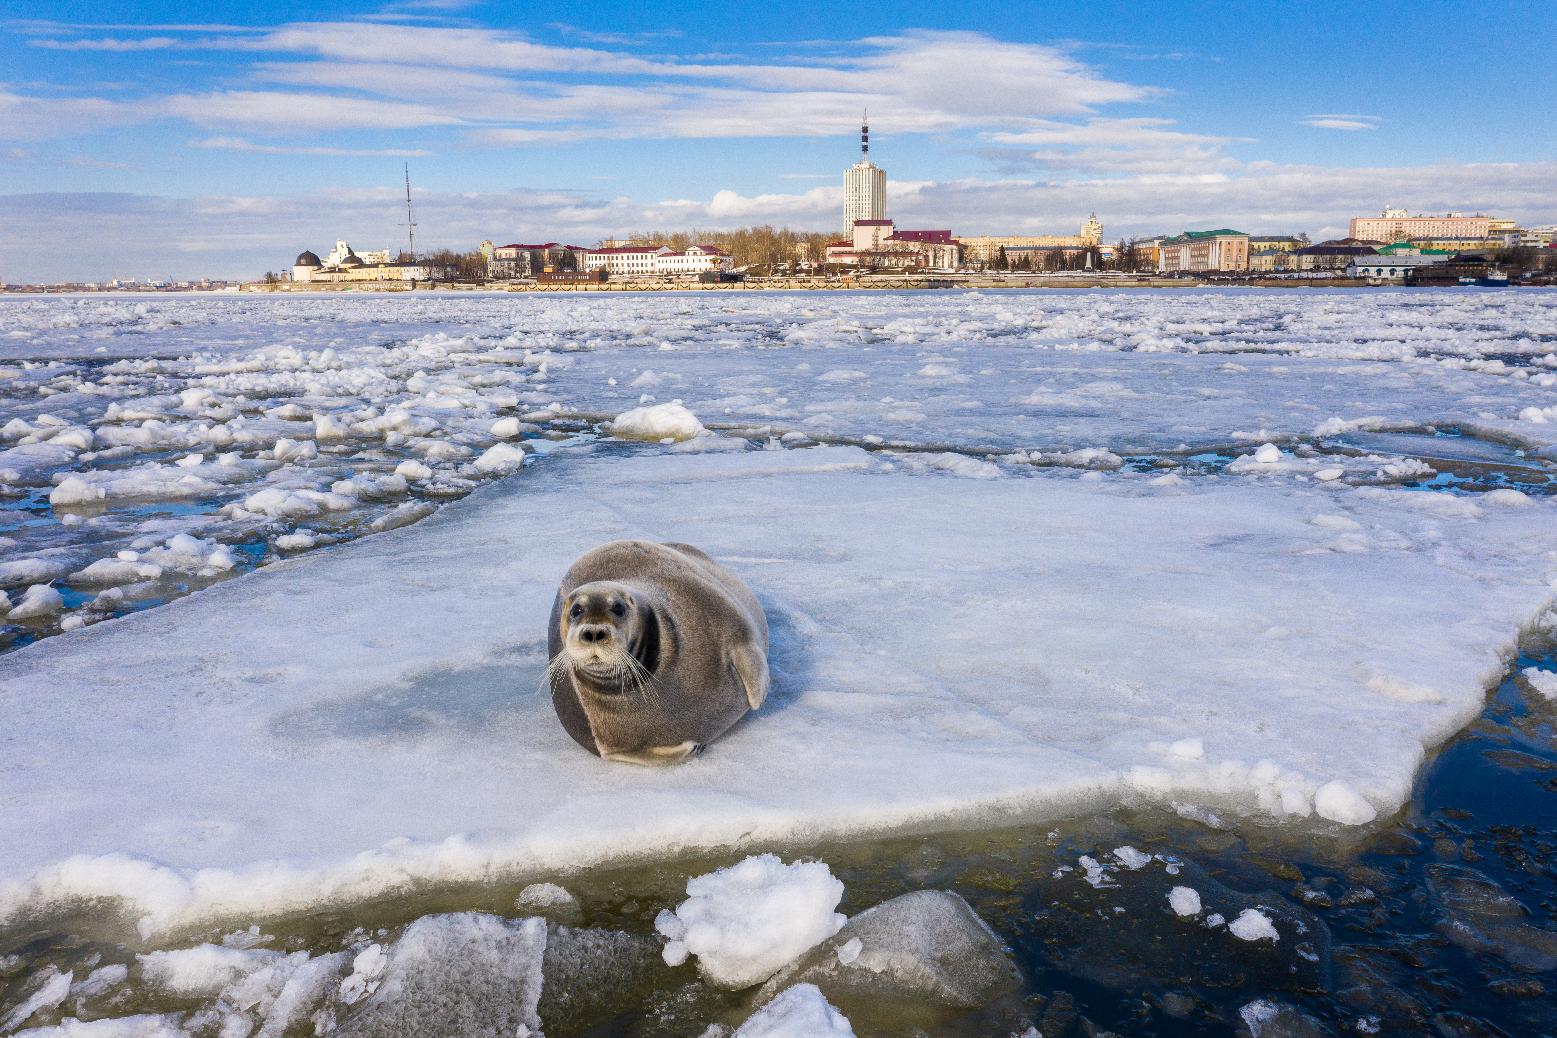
(300, 111)
(243, 144)
(614, 39)
(1342, 122)
(110, 43)
(1140, 145)
(512, 90)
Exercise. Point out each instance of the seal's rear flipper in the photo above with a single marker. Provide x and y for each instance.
(656, 756)
(751, 666)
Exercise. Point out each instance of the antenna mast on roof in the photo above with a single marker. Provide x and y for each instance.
(865, 135)
(410, 222)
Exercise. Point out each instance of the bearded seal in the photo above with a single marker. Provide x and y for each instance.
(656, 650)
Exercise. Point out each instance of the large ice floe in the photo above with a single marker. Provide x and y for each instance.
(946, 651)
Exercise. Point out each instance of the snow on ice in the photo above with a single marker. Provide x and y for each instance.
(746, 922)
(943, 649)
(800, 1012)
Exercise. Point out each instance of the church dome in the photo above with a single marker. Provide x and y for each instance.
(352, 260)
(306, 259)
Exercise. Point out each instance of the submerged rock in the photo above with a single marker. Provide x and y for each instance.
(914, 957)
(594, 975)
(464, 975)
(1262, 1019)
(1479, 915)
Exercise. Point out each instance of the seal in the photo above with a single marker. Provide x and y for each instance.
(656, 650)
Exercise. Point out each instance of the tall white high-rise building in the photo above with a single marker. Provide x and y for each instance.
(864, 186)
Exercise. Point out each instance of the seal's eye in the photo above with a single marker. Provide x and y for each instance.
(576, 612)
(618, 610)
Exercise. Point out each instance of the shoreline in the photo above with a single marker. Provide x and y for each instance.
(915, 284)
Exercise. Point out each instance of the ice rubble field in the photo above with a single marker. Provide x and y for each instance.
(954, 634)
(943, 646)
(149, 447)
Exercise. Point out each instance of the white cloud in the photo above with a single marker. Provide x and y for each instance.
(1139, 145)
(300, 111)
(37, 118)
(109, 44)
(243, 144)
(916, 81)
(59, 236)
(1342, 122)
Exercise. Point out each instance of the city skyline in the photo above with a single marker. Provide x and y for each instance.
(144, 144)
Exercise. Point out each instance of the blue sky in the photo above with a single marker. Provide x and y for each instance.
(136, 140)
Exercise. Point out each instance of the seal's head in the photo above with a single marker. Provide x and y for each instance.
(605, 628)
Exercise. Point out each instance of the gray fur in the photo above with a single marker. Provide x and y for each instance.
(698, 635)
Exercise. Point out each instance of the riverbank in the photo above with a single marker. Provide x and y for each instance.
(915, 282)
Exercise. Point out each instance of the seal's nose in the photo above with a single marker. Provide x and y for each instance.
(594, 633)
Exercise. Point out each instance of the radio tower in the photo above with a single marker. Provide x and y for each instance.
(865, 136)
(410, 221)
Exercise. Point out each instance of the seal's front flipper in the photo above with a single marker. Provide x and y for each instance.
(751, 666)
(655, 756)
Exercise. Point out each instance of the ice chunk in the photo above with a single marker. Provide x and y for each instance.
(746, 922)
(49, 989)
(547, 899)
(366, 968)
(1253, 925)
(1543, 681)
(37, 602)
(99, 982)
(280, 502)
(500, 458)
(920, 952)
(1263, 1018)
(956, 464)
(115, 571)
(76, 491)
(464, 975)
(800, 1012)
(294, 450)
(298, 540)
(403, 515)
(1131, 858)
(670, 421)
(328, 427)
(140, 1026)
(32, 571)
(1339, 802)
(202, 971)
(506, 428)
(1184, 900)
(413, 470)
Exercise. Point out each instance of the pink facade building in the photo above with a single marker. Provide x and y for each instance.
(1395, 225)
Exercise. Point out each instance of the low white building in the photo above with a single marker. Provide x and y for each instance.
(1390, 268)
(343, 265)
(651, 261)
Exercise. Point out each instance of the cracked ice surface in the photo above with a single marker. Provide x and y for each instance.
(1138, 371)
(274, 425)
(944, 649)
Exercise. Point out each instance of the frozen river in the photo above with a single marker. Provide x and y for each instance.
(278, 573)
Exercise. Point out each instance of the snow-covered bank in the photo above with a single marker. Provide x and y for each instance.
(943, 647)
